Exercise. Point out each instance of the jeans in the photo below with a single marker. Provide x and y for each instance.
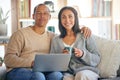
(27, 74)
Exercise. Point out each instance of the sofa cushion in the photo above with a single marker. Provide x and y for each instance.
(110, 56)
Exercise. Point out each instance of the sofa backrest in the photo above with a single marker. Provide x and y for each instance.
(110, 56)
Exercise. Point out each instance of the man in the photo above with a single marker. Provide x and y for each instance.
(24, 44)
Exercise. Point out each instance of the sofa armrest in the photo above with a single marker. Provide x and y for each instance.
(110, 56)
(117, 78)
(2, 71)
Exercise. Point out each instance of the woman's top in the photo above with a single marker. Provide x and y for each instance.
(88, 61)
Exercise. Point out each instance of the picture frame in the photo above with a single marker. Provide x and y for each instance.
(52, 5)
(55, 6)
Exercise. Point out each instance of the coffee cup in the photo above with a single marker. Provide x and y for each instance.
(70, 49)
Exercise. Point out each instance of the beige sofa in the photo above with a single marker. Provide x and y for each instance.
(110, 58)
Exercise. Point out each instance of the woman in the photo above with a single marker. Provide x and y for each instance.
(85, 57)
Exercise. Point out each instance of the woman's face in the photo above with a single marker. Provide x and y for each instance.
(67, 19)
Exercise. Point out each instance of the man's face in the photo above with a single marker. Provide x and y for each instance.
(41, 16)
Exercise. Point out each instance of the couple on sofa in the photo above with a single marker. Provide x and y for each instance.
(23, 44)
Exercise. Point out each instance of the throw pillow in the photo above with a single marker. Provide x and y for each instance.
(110, 56)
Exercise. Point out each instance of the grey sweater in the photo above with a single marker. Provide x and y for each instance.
(88, 61)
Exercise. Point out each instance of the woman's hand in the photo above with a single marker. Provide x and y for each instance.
(78, 52)
(65, 51)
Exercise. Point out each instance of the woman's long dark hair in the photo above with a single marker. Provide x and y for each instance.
(75, 28)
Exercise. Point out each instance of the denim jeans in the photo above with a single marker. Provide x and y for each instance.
(27, 74)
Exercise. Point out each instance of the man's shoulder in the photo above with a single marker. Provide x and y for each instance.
(21, 31)
(25, 29)
(53, 35)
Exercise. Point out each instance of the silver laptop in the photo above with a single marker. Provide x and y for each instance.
(51, 62)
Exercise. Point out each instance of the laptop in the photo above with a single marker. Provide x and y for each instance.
(51, 62)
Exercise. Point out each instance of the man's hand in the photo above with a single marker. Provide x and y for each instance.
(32, 64)
(86, 31)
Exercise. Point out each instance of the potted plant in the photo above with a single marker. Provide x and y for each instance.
(1, 61)
(3, 25)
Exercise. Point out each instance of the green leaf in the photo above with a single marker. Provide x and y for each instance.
(3, 17)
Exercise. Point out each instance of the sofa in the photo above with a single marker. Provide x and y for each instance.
(2, 71)
(110, 59)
